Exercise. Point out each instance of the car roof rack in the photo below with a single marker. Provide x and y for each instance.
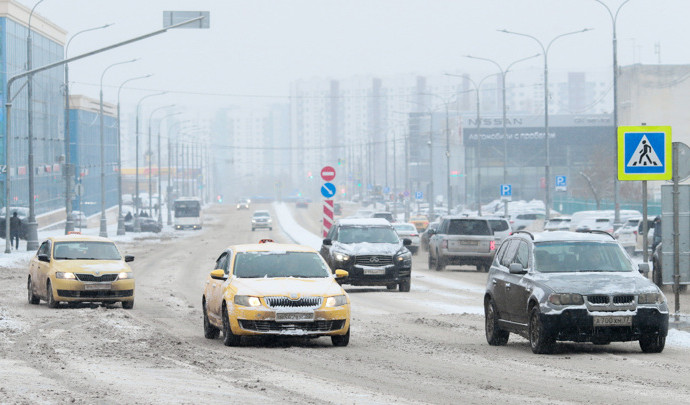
(528, 233)
(597, 231)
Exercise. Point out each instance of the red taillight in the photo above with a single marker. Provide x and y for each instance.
(492, 245)
(414, 234)
(444, 244)
(635, 232)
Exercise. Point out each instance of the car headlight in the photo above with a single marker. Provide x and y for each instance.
(247, 301)
(124, 275)
(566, 299)
(341, 257)
(402, 257)
(651, 298)
(337, 301)
(65, 275)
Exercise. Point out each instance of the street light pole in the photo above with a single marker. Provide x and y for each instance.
(616, 183)
(137, 225)
(160, 152)
(32, 225)
(67, 167)
(504, 73)
(120, 217)
(104, 222)
(150, 158)
(545, 52)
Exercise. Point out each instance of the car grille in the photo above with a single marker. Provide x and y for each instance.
(374, 260)
(90, 277)
(272, 326)
(623, 299)
(96, 293)
(285, 302)
(598, 299)
(605, 299)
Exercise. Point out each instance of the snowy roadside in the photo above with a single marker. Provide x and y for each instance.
(296, 232)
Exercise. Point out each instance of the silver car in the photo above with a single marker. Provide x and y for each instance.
(409, 231)
(568, 286)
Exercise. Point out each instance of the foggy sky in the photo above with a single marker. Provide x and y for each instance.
(255, 48)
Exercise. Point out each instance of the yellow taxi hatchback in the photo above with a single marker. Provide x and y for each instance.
(78, 268)
(420, 222)
(275, 289)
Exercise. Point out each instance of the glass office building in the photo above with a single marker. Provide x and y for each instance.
(85, 152)
(48, 108)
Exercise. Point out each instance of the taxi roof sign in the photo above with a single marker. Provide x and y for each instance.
(644, 153)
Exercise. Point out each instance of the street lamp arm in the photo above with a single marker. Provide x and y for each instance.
(566, 34)
(83, 31)
(520, 60)
(488, 60)
(528, 36)
(115, 64)
(129, 80)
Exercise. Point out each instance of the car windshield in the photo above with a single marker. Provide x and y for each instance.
(280, 264)
(261, 214)
(576, 256)
(85, 251)
(405, 228)
(371, 234)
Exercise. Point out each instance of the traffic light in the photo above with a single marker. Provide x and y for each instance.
(310, 175)
(219, 198)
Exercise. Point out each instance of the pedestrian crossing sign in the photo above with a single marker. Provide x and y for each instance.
(644, 153)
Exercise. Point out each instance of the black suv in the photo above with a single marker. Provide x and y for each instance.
(371, 252)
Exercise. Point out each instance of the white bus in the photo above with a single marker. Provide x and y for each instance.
(188, 213)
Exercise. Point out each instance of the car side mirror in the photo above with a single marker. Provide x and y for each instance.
(44, 258)
(218, 274)
(643, 268)
(516, 268)
(340, 273)
(327, 242)
(431, 231)
(407, 242)
(129, 258)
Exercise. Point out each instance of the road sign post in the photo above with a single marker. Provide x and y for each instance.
(561, 183)
(644, 153)
(328, 190)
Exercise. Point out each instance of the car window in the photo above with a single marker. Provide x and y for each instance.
(85, 250)
(262, 214)
(44, 249)
(509, 252)
(522, 255)
(332, 233)
(280, 264)
(469, 227)
(580, 256)
(501, 251)
(222, 262)
(498, 225)
(405, 227)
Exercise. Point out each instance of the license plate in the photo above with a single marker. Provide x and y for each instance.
(104, 286)
(613, 321)
(374, 270)
(469, 242)
(294, 316)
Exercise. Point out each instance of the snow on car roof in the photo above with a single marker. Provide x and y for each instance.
(75, 237)
(364, 222)
(571, 236)
(271, 247)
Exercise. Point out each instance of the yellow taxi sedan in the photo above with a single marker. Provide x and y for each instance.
(78, 268)
(420, 222)
(275, 289)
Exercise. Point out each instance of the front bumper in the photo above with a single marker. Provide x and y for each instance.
(577, 325)
(78, 291)
(390, 275)
(262, 321)
(266, 225)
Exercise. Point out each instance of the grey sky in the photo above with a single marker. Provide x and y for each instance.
(257, 47)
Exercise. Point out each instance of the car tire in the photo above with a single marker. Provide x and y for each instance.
(405, 284)
(341, 340)
(540, 340)
(128, 304)
(270, 229)
(229, 338)
(33, 298)
(50, 298)
(252, 229)
(391, 286)
(652, 343)
(210, 331)
(495, 336)
(481, 268)
(656, 273)
(430, 261)
(440, 263)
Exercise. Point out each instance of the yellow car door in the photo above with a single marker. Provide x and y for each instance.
(43, 268)
(214, 289)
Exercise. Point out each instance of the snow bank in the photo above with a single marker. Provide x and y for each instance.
(293, 229)
(678, 338)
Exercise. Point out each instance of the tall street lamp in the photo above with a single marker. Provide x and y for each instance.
(160, 152)
(120, 217)
(137, 225)
(31, 225)
(503, 104)
(104, 222)
(149, 153)
(67, 168)
(545, 52)
(431, 158)
(616, 184)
